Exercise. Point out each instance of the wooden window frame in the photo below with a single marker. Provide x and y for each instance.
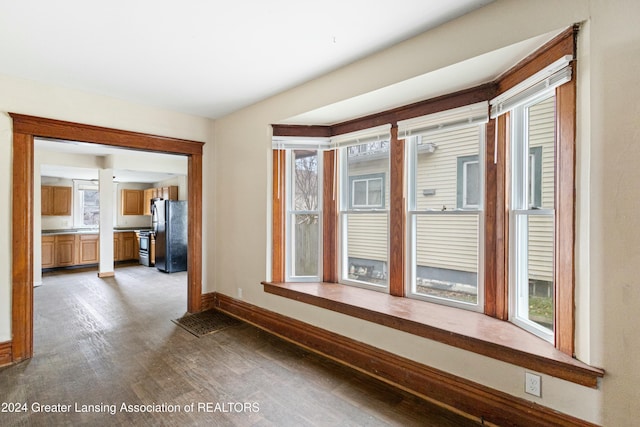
(496, 301)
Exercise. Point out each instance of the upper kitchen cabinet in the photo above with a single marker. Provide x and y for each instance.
(167, 193)
(56, 200)
(132, 202)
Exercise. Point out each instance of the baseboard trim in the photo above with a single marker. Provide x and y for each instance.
(6, 353)
(455, 393)
(106, 274)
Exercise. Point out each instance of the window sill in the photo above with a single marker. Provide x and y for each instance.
(463, 329)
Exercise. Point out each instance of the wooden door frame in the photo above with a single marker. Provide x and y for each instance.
(25, 129)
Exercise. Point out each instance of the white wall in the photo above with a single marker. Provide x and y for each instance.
(32, 98)
(607, 223)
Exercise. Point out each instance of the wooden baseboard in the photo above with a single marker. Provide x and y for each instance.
(6, 357)
(458, 394)
(106, 274)
(208, 301)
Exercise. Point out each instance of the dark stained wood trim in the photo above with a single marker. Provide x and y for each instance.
(21, 246)
(24, 130)
(278, 216)
(207, 301)
(330, 218)
(194, 233)
(433, 105)
(502, 219)
(490, 224)
(562, 44)
(397, 209)
(462, 329)
(455, 393)
(565, 217)
(6, 357)
(301, 130)
(59, 129)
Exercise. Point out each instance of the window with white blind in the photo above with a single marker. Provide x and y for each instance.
(444, 212)
(532, 200)
(364, 207)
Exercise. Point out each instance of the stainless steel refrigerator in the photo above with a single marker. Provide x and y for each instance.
(170, 227)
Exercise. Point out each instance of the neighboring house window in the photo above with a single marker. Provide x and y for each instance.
(444, 227)
(367, 191)
(468, 182)
(87, 204)
(304, 218)
(535, 177)
(364, 209)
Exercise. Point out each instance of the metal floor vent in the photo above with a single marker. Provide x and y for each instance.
(206, 322)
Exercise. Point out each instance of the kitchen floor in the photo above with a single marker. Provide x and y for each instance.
(107, 353)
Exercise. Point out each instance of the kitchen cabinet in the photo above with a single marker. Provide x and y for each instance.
(56, 200)
(132, 201)
(125, 246)
(48, 252)
(88, 248)
(149, 194)
(65, 250)
(167, 193)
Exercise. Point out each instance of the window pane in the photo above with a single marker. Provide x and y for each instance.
(439, 164)
(471, 184)
(535, 269)
(367, 163)
(375, 192)
(359, 193)
(541, 136)
(446, 264)
(366, 248)
(305, 180)
(90, 200)
(305, 244)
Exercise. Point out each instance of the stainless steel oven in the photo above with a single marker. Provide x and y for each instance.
(145, 248)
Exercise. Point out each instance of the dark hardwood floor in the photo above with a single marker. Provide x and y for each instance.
(104, 343)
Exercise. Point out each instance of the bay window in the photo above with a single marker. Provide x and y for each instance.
(465, 200)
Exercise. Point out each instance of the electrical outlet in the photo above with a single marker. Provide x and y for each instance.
(532, 384)
(239, 293)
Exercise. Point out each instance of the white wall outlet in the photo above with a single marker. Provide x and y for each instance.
(532, 384)
(239, 293)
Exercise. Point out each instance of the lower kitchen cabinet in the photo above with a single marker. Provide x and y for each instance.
(67, 250)
(48, 252)
(89, 249)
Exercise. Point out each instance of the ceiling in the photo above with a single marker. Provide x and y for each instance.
(141, 174)
(202, 57)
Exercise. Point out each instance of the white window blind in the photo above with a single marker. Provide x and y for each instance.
(378, 133)
(469, 115)
(299, 143)
(554, 75)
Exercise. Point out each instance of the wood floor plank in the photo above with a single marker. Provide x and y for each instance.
(111, 341)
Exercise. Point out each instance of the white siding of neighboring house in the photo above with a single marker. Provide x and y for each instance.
(542, 134)
(451, 241)
(367, 233)
(445, 241)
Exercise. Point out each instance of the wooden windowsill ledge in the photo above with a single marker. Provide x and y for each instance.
(463, 329)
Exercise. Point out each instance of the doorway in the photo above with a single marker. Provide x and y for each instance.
(25, 128)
